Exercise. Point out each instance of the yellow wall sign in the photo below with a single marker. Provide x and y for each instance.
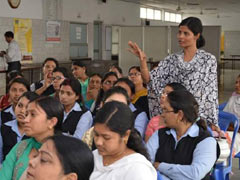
(23, 35)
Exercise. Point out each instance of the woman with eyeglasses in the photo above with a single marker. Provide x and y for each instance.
(58, 76)
(157, 122)
(184, 149)
(107, 82)
(43, 119)
(139, 100)
(77, 119)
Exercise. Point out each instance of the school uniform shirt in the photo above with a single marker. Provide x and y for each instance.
(141, 120)
(84, 123)
(10, 112)
(14, 128)
(132, 167)
(50, 89)
(204, 156)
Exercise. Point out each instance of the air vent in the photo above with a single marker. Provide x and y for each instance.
(193, 4)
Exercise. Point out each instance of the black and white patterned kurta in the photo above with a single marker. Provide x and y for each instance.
(199, 76)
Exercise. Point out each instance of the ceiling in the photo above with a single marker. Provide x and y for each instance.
(219, 7)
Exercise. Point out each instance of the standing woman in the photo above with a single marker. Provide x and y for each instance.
(43, 119)
(120, 151)
(77, 119)
(194, 68)
(12, 132)
(139, 100)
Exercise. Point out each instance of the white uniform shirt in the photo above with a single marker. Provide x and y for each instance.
(13, 53)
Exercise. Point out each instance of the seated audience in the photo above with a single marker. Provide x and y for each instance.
(93, 89)
(17, 87)
(4, 100)
(117, 70)
(65, 158)
(141, 120)
(58, 76)
(139, 99)
(77, 119)
(79, 71)
(44, 87)
(157, 122)
(12, 131)
(120, 153)
(107, 82)
(184, 149)
(43, 119)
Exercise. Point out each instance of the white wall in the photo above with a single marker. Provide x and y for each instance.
(112, 12)
(27, 9)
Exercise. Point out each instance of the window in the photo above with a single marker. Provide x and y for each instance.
(149, 13)
(172, 17)
(157, 15)
(178, 18)
(167, 16)
(143, 13)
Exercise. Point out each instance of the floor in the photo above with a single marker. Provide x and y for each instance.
(226, 87)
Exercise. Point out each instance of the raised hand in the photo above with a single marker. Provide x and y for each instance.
(134, 49)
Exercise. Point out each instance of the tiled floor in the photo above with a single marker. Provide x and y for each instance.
(226, 87)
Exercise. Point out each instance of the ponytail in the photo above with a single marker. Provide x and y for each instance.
(135, 143)
(200, 41)
(202, 124)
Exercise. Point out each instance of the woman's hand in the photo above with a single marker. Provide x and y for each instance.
(134, 49)
(156, 164)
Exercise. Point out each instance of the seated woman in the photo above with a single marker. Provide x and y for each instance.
(12, 132)
(43, 119)
(16, 88)
(77, 119)
(44, 87)
(58, 76)
(4, 100)
(94, 86)
(185, 149)
(120, 153)
(157, 122)
(61, 162)
(139, 100)
(141, 120)
(233, 104)
(107, 82)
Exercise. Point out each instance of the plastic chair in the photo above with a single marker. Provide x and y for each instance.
(221, 107)
(159, 176)
(220, 171)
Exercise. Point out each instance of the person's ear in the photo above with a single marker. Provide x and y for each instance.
(71, 176)
(197, 36)
(126, 136)
(52, 123)
(180, 116)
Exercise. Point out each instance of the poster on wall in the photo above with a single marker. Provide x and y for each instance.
(23, 35)
(53, 31)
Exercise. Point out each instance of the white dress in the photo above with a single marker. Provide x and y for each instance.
(132, 167)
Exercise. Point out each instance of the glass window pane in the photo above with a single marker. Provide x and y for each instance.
(157, 15)
(167, 16)
(173, 17)
(178, 18)
(143, 13)
(149, 13)
(115, 49)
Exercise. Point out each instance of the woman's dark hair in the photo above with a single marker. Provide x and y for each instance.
(107, 75)
(177, 86)
(22, 81)
(116, 90)
(13, 74)
(195, 25)
(238, 76)
(76, 87)
(185, 101)
(78, 63)
(135, 67)
(95, 74)
(62, 70)
(53, 108)
(119, 118)
(29, 95)
(9, 34)
(74, 155)
(50, 59)
(117, 67)
(128, 82)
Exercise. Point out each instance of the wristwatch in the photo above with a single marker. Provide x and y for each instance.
(14, 3)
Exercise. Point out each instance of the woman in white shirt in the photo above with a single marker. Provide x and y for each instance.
(120, 152)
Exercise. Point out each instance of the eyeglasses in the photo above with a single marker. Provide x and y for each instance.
(166, 111)
(57, 78)
(164, 94)
(134, 74)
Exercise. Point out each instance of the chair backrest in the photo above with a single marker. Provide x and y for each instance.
(225, 119)
(222, 106)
